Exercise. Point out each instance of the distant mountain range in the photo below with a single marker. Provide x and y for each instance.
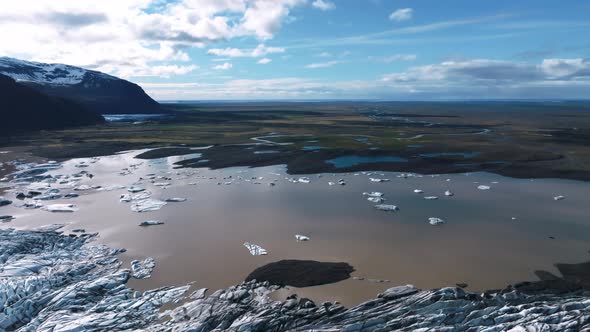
(96, 91)
(23, 108)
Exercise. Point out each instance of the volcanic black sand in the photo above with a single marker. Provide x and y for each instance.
(301, 273)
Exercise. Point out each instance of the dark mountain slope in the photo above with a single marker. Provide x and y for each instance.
(96, 91)
(23, 108)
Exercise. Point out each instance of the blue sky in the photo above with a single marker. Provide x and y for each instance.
(316, 49)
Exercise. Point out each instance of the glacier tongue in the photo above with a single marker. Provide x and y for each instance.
(55, 282)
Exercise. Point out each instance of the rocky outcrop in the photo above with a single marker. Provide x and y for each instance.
(55, 282)
(96, 91)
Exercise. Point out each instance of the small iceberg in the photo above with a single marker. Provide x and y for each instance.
(449, 193)
(147, 205)
(435, 221)
(558, 198)
(375, 199)
(142, 269)
(386, 207)
(430, 198)
(60, 208)
(483, 187)
(418, 191)
(135, 189)
(4, 201)
(254, 249)
(373, 194)
(378, 180)
(175, 200)
(299, 237)
(304, 180)
(151, 223)
(342, 182)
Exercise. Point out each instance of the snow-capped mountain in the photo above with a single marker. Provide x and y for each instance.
(97, 91)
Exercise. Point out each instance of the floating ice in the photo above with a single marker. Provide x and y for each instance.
(175, 200)
(162, 184)
(60, 208)
(255, 250)
(373, 194)
(134, 189)
(448, 193)
(483, 187)
(418, 191)
(559, 198)
(342, 182)
(299, 237)
(378, 180)
(435, 221)
(430, 197)
(142, 269)
(304, 180)
(4, 201)
(375, 199)
(147, 205)
(151, 223)
(6, 218)
(386, 207)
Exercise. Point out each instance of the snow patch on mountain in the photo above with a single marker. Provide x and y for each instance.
(45, 74)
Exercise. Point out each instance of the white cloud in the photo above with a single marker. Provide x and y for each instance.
(322, 64)
(127, 37)
(224, 66)
(393, 58)
(323, 5)
(325, 55)
(260, 51)
(403, 14)
(264, 61)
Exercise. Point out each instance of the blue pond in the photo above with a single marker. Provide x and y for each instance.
(443, 154)
(312, 148)
(350, 161)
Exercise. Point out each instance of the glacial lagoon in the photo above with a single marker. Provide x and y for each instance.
(490, 238)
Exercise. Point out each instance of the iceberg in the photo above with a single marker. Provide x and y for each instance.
(373, 194)
(375, 199)
(386, 207)
(378, 180)
(418, 191)
(435, 221)
(299, 237)
(175, 200)
(151, 223)
(559, 198)
(449, 193)
(60, 208)
(4, 201)
(134, 189)
(254, 249)
(483, 187)
(430, 197)
(147, 205)
(304, 180)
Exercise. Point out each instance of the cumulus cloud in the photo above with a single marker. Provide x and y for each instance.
(260, 51)
(484, 78)
(264, 61)
(322, 64)
(224, 66)
(403, 14)
(125, 37)
(323, 5)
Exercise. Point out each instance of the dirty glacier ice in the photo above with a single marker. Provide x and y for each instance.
(56, 282)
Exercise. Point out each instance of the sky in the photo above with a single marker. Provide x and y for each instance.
(315, 49)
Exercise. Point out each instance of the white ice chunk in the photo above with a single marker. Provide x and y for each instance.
(559, 198)
(299, 237)
(386, 207)
(483, 187)
(418, 191)
(142, 269)
(255, 250)
(147, 205)
(435, 221)
(151, 223)
(60, 208)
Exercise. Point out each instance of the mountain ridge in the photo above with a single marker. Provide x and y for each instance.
(96, 91)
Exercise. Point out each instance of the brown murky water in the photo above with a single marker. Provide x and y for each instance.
(202, 239)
